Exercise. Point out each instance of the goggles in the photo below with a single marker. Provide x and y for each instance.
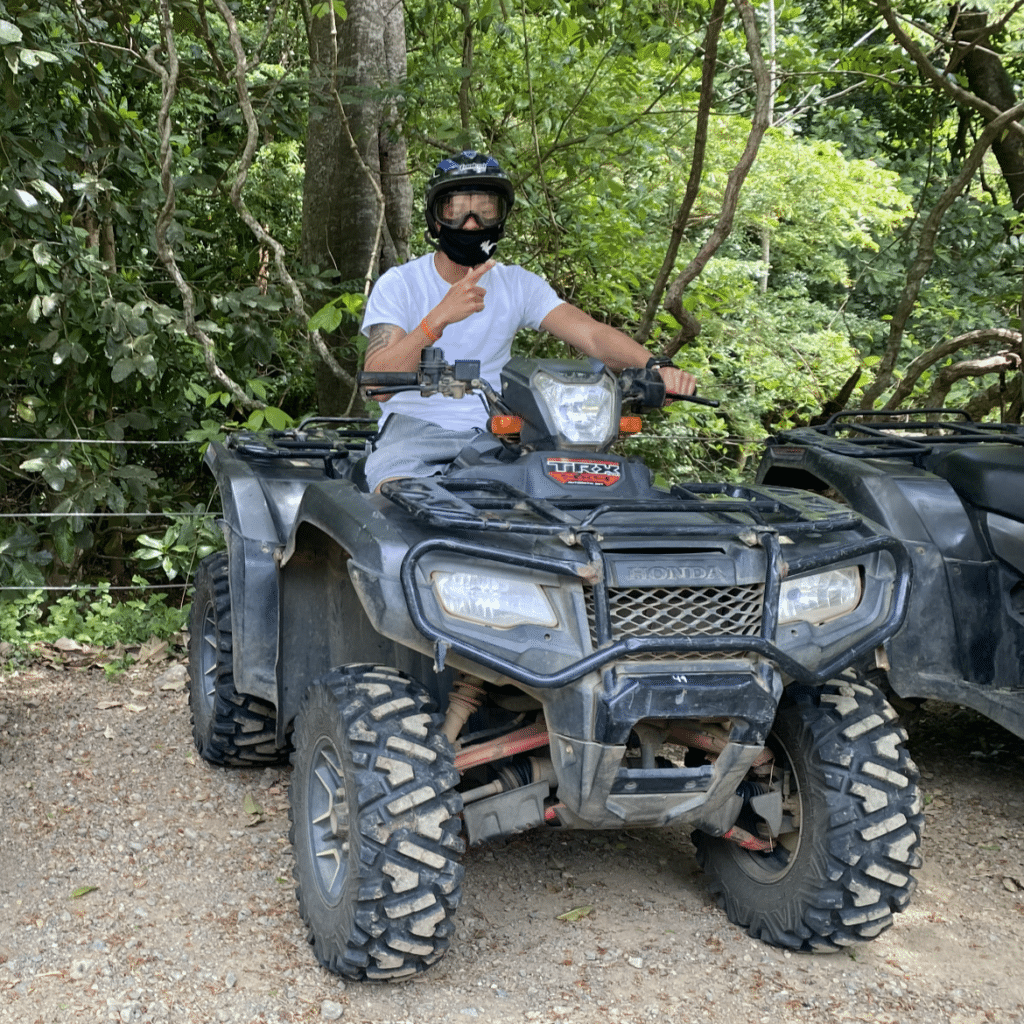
(454, 209)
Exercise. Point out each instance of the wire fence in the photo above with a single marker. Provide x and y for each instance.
(170, 517)
(97, 516)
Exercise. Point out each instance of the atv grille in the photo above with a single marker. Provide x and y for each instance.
(680, 611)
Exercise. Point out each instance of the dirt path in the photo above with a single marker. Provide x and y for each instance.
(139, 884)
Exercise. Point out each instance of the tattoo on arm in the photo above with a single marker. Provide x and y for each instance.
(380, 336)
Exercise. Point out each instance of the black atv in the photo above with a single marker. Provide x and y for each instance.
(543, 639)
(953, 490)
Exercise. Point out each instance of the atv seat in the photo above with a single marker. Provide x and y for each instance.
(989, 476)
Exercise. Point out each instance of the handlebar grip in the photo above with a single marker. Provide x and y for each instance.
(387, 380)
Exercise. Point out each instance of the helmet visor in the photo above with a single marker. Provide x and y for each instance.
(470, 210)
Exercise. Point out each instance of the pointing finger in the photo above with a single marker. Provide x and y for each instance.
(477, 272)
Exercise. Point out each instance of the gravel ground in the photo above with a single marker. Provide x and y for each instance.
(137, 883)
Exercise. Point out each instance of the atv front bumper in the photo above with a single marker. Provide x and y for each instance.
(597, 790)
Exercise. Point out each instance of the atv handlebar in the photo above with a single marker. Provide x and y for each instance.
(461, 378)
(434, 377)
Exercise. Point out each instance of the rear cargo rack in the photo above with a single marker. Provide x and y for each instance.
(309, 441)
(870, 434)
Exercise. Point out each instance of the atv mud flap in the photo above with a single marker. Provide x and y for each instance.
(596, 790)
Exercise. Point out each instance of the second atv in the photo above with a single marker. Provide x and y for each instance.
(953, 490)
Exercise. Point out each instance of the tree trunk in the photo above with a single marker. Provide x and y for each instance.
(346, 145)
(394, 151)
(989, 79)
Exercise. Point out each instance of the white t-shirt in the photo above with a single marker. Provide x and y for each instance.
(403, 296)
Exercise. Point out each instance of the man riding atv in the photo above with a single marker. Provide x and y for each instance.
(525, 631)
(461, 293)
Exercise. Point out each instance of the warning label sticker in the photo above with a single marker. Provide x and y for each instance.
(584, 472)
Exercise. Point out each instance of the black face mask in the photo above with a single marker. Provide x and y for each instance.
(469, 248)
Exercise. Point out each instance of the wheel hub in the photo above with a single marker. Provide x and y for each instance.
(208, 660)
(329, 821)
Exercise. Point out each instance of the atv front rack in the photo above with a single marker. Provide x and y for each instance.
(871, 434)
(739, 514)
(495, 506)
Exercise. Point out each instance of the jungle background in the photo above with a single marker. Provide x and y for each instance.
(810, 206)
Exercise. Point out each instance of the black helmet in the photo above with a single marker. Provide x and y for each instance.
(468, 171)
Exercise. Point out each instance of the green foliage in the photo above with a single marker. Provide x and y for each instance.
(99, 620)
(592, 109)
(93, 335)
(191, 536)
(599, 183)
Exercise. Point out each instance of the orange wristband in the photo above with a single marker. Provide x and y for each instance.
(431, 336)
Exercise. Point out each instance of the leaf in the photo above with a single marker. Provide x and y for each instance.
(575, 914)
(83, 890)
(152, 648)
(277, 418)
(9, 33)
(25, 200)
(106, 705)
(250, 806)
(328, 318)
(124, 367)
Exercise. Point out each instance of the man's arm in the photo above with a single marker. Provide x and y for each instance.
(393, 350)
(614, 348)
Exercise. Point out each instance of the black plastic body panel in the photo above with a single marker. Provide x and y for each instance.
(324, 574)
(954, 494)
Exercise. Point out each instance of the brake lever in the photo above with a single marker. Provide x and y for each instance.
(696, 399)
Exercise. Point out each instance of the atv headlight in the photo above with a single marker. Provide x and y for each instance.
(820, 597)
(492, 600)
(583, 414)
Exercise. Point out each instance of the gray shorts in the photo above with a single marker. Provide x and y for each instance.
(408, 446)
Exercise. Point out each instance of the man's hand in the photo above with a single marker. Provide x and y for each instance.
(677, 382)
(464, 298)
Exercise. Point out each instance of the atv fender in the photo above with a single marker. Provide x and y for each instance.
(252, 534)
(326, 619)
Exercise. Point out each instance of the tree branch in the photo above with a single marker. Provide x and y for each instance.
(700, 143)
(941, 351)
(297, 301)
(165, 218)
(969, 368)
(999, 394)
(758, 126)
(936, 77)
(926, 252)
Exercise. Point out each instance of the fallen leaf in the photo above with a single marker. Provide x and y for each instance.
(250, 805)
(108, 733)
(67, 644)
(152, 649)
(106, 705)
(575, 914)
(135, 707)
(83, 891)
